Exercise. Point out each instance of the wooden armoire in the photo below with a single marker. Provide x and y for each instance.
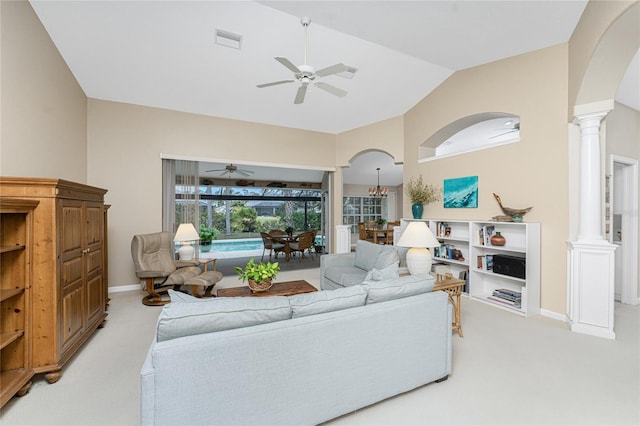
(69, 268)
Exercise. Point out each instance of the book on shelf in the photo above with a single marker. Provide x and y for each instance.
(507, 297)
(441, 230)
(505, 302)
(487, 232)
(480, 262)
(489, 262)
(480, 236)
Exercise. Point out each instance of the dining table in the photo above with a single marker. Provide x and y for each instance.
(286, 239)
(381, 234)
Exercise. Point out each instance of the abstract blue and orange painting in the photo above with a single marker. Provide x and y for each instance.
(461, 192)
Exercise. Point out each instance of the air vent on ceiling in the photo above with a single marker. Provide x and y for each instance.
(349, 73)
(228, 39)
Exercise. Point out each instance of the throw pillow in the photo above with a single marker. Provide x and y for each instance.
(396, 288)
(388, 256)
(178, 318)
(387, 273)
(366, 255)
(319, 302)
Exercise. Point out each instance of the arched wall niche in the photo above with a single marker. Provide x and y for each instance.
(485, 137)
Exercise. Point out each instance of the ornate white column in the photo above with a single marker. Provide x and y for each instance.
(590, 261)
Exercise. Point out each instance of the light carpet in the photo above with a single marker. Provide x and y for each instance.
(507, 370)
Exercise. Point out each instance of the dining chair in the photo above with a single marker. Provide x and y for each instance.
(363, 235)
(271, 244)
(302, 244)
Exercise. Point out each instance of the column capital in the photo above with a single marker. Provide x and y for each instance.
(592, 111)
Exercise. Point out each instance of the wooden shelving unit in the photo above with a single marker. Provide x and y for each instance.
(68, 283)
(16, 229)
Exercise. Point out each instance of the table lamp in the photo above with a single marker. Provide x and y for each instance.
(419, 237)
(185, 234)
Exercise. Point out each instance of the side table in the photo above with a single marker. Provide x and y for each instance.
(453, 287)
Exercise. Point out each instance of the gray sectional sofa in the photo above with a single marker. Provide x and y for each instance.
(303, 359)
(346, 269)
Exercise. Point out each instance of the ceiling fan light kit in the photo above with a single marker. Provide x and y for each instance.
(306, 74)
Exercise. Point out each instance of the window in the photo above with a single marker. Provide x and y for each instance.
(361, 209)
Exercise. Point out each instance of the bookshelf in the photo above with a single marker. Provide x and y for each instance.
(466, 247)
(454, 245)
(16, 222)
(522, 244)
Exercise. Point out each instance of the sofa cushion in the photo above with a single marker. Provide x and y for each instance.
(396, 288)
(185, 318)
(345, 275)
(319, 302)
(387, 273)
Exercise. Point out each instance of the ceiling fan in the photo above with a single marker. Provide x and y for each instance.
(230, 168)
(306, 74)
(515, 128)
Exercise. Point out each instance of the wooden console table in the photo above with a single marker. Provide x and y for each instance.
(453, 287)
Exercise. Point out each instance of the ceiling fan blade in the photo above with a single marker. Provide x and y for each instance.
(243, 173)
(333, 69)
(274, 83)
(214, 170)
(302, 90)
(331, 89)
(288, 64)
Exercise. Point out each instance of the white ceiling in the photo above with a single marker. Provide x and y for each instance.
(162, 53)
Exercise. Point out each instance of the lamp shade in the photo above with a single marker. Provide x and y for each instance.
(418, 236)
(186, 232)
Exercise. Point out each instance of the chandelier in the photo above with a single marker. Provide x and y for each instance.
(378, 191)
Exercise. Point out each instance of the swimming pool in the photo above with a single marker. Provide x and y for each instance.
(237, 245)
(240, 247)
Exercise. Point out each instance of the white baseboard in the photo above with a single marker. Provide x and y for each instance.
(554, 315)
(121, 288)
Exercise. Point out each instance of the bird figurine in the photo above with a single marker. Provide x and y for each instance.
(514, 214)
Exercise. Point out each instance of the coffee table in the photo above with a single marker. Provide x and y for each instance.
(285, 288)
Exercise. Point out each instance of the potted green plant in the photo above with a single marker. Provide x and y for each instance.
(206, 236)
(259, 276)
(289, 230)
(381, 222)
(421, 193)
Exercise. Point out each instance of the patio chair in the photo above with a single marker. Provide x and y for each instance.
(302, 244)
(154, 263)
(272, 245)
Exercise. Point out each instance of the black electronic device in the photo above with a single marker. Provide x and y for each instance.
(509, 265)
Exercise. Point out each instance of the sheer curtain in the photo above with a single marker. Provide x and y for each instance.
(180, 194)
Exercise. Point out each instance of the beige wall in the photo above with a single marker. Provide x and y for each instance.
(532, 172)
(43, 120)
(125, 142)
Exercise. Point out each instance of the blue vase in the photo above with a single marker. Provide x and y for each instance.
(417, 209)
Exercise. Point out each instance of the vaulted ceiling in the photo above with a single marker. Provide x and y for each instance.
(164, 53)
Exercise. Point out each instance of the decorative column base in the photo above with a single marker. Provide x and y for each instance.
(590, 294)
(343, 239)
